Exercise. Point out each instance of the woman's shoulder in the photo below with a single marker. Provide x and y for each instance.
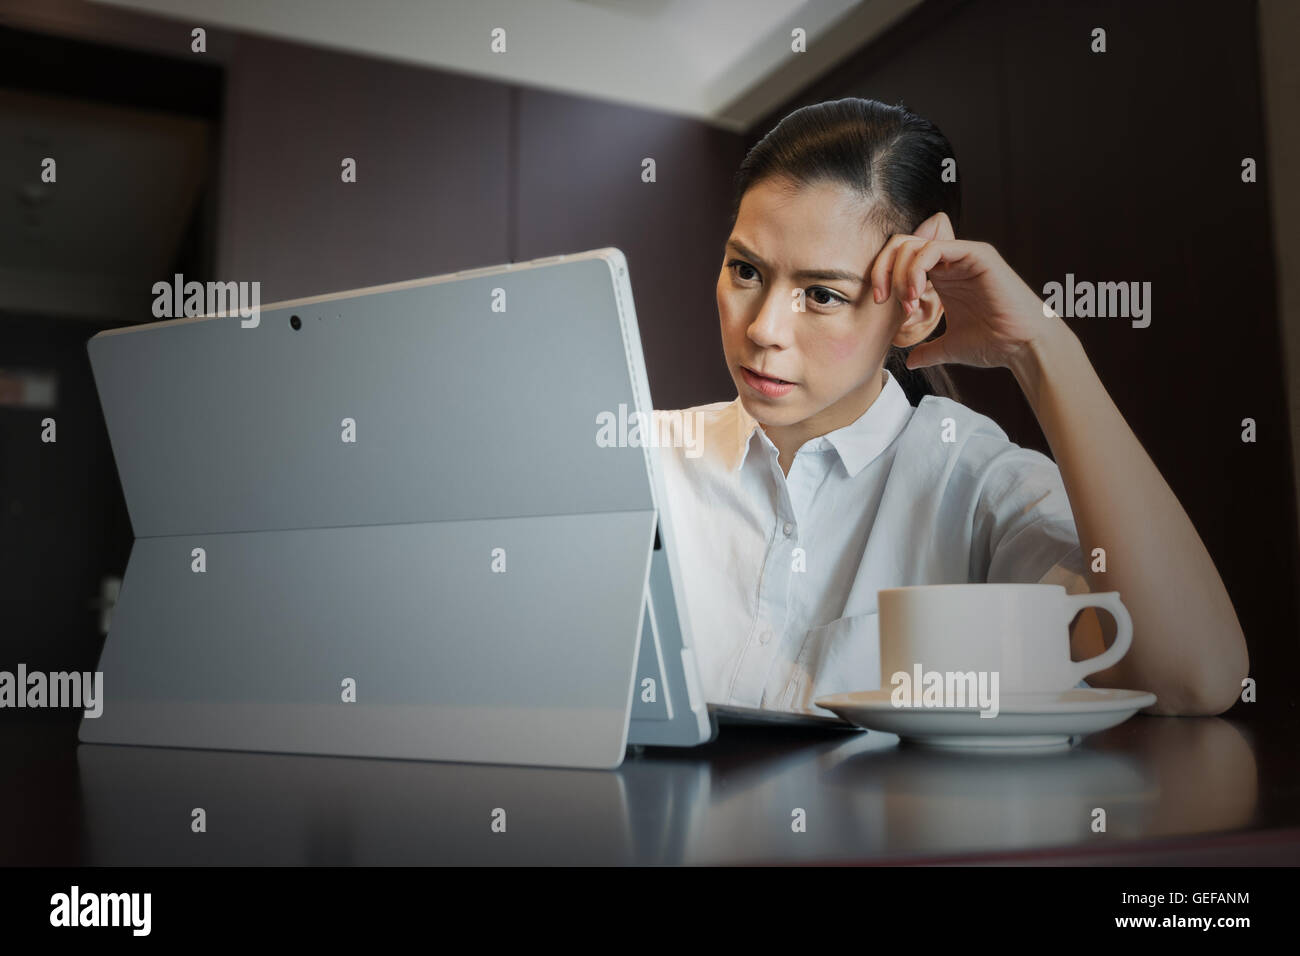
(944, 430)
(709, 420)
(700, 431)
(938, 409)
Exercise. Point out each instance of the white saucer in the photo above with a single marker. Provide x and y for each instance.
(1023, 722)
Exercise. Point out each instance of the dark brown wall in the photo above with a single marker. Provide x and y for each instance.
(1126, 166)
(456, 172)
(433, 166)
(579, 175)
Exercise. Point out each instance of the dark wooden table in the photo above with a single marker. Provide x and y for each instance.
(1174, 791)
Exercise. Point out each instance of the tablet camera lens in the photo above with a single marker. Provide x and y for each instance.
(295, 322)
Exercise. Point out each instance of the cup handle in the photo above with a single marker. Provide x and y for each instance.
(1109, 601)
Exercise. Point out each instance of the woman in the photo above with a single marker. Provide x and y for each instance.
(823, 482)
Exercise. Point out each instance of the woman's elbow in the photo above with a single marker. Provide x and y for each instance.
(1219, 686)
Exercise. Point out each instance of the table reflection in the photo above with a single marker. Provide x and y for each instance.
(863, 795)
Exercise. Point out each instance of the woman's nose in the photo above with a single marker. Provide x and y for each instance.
(774, 320)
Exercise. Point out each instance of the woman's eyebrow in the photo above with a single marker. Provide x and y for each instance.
(801, 273)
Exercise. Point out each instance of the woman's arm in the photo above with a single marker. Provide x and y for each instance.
(1188, 648)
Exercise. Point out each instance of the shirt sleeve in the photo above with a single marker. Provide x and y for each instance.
(1024, 520)
(1024, 530)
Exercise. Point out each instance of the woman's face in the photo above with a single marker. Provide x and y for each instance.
(810, 240)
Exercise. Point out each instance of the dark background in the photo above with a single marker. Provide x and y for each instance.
(1117, 167)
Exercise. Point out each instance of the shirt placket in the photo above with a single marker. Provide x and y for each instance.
(807, 472)
(767, 635)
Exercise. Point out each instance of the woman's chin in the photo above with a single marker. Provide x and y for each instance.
(772, 413)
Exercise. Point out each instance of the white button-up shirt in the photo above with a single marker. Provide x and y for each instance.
(781, 572)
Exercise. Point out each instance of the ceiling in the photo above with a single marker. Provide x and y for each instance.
(725, 62)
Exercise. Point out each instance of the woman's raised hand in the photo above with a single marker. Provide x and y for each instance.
(993, 316)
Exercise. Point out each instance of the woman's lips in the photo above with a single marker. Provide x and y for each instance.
(771, 387)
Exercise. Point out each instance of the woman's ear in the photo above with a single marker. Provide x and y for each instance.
(918, 326)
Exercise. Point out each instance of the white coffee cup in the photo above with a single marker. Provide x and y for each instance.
(1019, 631)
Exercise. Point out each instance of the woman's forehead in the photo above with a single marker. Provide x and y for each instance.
(820, 220)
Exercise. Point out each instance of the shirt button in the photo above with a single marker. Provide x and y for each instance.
(764, 637)
(787, 528)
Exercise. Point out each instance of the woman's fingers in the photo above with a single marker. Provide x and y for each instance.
(902, 251)
(882, 270)
(926, 257)
(901, 266)
(904, 273)
(951, 259)
(914, 260)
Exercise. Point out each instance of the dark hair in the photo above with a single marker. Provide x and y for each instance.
(889, 156)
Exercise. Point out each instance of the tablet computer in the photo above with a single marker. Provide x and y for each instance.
(381, 523)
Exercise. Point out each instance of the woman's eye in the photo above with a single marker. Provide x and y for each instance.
(831, 296)
(735, 265)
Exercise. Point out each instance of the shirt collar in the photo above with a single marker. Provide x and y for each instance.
(857, 443)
